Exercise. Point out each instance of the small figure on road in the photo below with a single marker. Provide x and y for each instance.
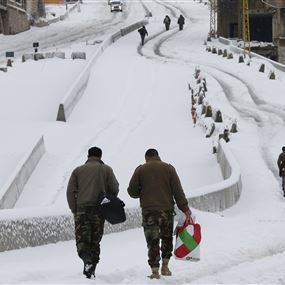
(181, 22)
(167, 22)
(281, 166)
(158, 187)
(142, 31)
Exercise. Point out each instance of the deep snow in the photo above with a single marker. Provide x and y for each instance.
(151, 107)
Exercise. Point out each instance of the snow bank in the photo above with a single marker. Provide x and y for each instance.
(26, 232)
(13, 188)
(76, 90)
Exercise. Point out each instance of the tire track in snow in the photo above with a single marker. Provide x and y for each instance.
(265, 114)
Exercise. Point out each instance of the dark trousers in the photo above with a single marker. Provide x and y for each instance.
(89, 229)
(158, 226)
(283, 183)
(167, 27)
(180, 27)
(142, 37)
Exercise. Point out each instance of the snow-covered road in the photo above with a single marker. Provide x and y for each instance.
(137, 97)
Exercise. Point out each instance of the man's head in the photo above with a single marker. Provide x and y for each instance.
(150, 153)
(95, 152)
(283, 148)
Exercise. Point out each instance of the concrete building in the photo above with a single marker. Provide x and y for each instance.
(17, 15)
(267, 24)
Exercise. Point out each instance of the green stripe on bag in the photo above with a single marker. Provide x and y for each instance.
(188, 240)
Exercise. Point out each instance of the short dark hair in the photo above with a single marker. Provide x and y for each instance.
(283, 148)
(95, 151)
(151, 152)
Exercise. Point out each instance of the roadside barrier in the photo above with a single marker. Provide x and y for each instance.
(13, 188)
(34, 227)
(77, 88)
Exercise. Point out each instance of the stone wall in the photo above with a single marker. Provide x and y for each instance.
(16, 20)
(36, 8)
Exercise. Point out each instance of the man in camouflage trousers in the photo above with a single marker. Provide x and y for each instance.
(85, 184)
(157, 185)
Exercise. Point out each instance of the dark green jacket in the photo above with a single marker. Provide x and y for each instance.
(157, 185)
(87, 181)
(281, 163)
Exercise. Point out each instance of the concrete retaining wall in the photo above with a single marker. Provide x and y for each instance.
(238, 50)
(34, 227)
(77, 88)
(13, 188)
(222, 195)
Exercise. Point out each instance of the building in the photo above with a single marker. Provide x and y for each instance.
(267, 24)
(17, 15)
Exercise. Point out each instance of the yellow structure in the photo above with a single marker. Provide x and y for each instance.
(246, 31)
(54, 1)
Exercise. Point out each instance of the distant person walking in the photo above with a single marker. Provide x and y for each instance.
(167, 22)
(142, 31)
(181, 22)
(84, 186)
(157, 185)
(281, 166)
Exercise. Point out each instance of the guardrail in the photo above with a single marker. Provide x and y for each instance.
(76, 90)
(34, 227)
(13, 188)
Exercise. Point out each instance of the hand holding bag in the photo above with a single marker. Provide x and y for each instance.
(188, 238)
(112, 208)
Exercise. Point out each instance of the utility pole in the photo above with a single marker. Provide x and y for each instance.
(213, 17)
(245, 26)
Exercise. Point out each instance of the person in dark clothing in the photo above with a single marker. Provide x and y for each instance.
(85, 184)
(158, 187)
(181, 22)
(281, 167)
(167, 22)
(142, 31)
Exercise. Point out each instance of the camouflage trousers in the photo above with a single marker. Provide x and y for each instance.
(89, 229)
(158, 227)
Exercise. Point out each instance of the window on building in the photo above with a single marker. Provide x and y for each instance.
(261, 28)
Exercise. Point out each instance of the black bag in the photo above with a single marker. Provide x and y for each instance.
(112, 208)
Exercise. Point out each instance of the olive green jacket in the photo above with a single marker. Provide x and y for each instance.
(87, 181)
(281, 163)
(157, 185)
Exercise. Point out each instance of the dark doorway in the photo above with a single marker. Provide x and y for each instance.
(233, 30)
(261, 28)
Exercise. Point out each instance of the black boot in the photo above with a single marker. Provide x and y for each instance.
(89, 270)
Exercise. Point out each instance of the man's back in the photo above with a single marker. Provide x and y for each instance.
(156, 183)
(88, 180)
